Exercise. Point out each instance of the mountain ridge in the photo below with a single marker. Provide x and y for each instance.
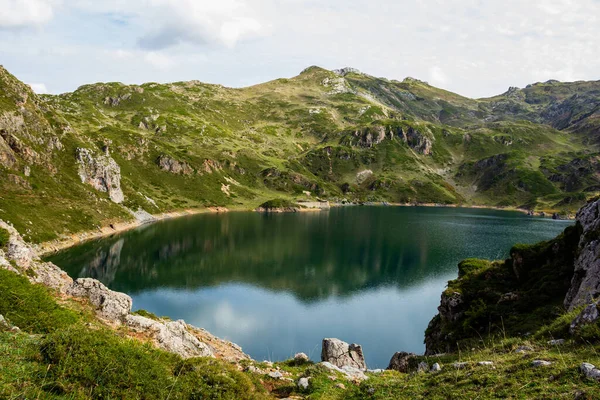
(342, 136)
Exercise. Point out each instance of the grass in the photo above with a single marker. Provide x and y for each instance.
(63, 352)
(4, 238)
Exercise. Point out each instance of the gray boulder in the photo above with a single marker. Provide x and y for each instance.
(590, 371)
(400, 361)
(340, 354)
(351, 373)
(303, 383)
(541, 363)
(113, 306)
(171, 336)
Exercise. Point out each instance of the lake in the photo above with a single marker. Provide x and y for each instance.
(277, 284)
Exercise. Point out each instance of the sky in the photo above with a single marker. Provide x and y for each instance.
(477, 48)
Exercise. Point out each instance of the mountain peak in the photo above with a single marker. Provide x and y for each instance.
(346, 70)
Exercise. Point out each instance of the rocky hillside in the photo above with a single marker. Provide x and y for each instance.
(111, 152)
(547, 290)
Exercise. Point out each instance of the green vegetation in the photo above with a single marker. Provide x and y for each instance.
(63, 352)
(514, 297)
(278, 204)
(314, 133)
(4, 237)
(31, 307)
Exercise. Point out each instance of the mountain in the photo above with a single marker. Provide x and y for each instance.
(75, 161)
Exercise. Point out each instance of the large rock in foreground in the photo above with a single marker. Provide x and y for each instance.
(340, 354)
(113, 306)
(401, 361)
(172, 336)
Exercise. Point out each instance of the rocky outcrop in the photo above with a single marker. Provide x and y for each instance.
(20, 257)
(376, 134)
(362, 176)
(585, 284)
(352, 373)
(341, 354)
(101, 172)
(110, 305)
(173, 166)
(172, 336)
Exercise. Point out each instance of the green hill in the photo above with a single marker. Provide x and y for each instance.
(91, 157)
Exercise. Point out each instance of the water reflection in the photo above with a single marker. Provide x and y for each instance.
(277, 284)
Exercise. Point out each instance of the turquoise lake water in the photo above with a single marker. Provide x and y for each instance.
(277, 284)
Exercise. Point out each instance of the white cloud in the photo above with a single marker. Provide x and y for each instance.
(25, 13)
(473, 47)
(224, 22)
(39, 88)
(159, 60)
(437, 77)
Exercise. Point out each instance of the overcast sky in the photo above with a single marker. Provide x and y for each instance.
(476, 48)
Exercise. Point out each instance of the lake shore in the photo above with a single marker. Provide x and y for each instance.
(53, 246)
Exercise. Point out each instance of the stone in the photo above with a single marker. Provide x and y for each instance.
(171, 336)
(400, 361)
(350, 372)
(556, 342)
(101, 172)
(303, 383)
(301, 357)
(590, 371)
(340, 386)
(485, 363)
(436, 367)
(376, 371)
(460, 365)
(275, 374)
(4, 323)
(523, 349)
(423, 367)
(113, 306)
(540, 363)
(587, 316)
(341, 354)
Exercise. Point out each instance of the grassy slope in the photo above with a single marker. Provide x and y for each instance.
(285, 137)
(63, 352)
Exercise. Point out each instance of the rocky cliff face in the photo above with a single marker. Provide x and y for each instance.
(173, 166)
(101, 172)
(585, 285)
